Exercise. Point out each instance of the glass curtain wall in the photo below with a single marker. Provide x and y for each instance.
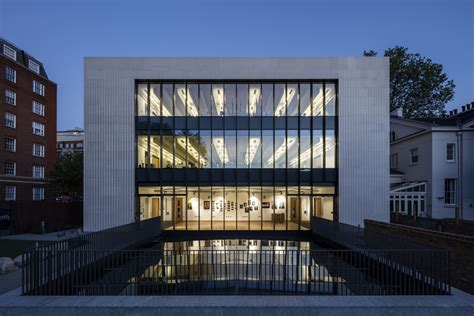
(237, 208)
(279, 137)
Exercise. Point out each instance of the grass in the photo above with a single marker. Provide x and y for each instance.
(12, 248)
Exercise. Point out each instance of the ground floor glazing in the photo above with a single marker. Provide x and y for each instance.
(237, 208)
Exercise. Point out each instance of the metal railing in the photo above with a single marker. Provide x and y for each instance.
(236, 272)
(54, 261)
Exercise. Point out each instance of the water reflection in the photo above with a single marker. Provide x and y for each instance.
(237, 267)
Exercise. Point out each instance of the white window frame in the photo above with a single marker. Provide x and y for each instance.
(10, 117)
(14, 168)
(10, 74)
(38, 150)
(14, 144)
(38, 172)
(412, 156)
(38, 193)
(34, 66)
(10, 193)
(37, 108)
(453, 152)
(38, 129)
(9, 94)
(450, 191)
(38, 88)
(9, 52)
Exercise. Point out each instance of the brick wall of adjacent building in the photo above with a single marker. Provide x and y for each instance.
(23, 132)
(23, 180)
(461, 249)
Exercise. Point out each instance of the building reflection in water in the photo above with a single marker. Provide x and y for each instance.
(239, 267)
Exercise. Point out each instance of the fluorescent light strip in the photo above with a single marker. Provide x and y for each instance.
(142, 95)
(191, 150)
(252, 150)
(253, 100)
(192, 109)
(166, 154)
(282, 149)
(317, 105)
(221, 149)
(290, 94)
(156, 103)
(218, 94)
(317, 148)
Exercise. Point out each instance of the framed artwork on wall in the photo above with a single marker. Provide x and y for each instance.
(207, 205)
(265, 204)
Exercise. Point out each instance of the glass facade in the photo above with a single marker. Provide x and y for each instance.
(222, 155)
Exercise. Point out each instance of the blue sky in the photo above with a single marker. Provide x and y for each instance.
(60, 33)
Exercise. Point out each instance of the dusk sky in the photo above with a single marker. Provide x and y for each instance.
(61, 33)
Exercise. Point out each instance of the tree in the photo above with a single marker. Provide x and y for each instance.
(417, 85)
(67, 174)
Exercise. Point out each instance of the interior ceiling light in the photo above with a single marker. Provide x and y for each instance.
(282, 149)
(221, 149)
(317, 105)
(318, 102)
(191, 150)
(290, 94)
(192, 109)
(252, 148)
(155, 104)
(317, 148)
(253, 100)
(218, 95)
(142, 95)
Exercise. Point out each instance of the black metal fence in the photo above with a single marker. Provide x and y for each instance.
(54, 261)
(236, 272)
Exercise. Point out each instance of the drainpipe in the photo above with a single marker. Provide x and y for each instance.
(459, 145)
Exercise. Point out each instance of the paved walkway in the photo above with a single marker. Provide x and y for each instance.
(10, 281)
(56, 236)
(457, 304)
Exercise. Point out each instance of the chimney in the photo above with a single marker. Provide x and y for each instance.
(451, 113)
(455, 111)
(463, 108)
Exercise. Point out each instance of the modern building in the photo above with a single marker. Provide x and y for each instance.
(70, 141)
(436, 158)
(236, 143)
(28, 132)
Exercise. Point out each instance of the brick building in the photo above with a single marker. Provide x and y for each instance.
(28, 133)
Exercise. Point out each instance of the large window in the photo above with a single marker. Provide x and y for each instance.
(218, 99)
(450, 191)
(10, 144)
(38, 129)
(10, 74)
(10, 97)
(38, 150)
(244, 155)
(237, 208)
(10, 193)
(34, 66)
(38, 193)
(450, 152)
(10, 168)
(38, 108)
(10, 120)
(38, 88)
(414, 156)
(38, 171)
(9, 52)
